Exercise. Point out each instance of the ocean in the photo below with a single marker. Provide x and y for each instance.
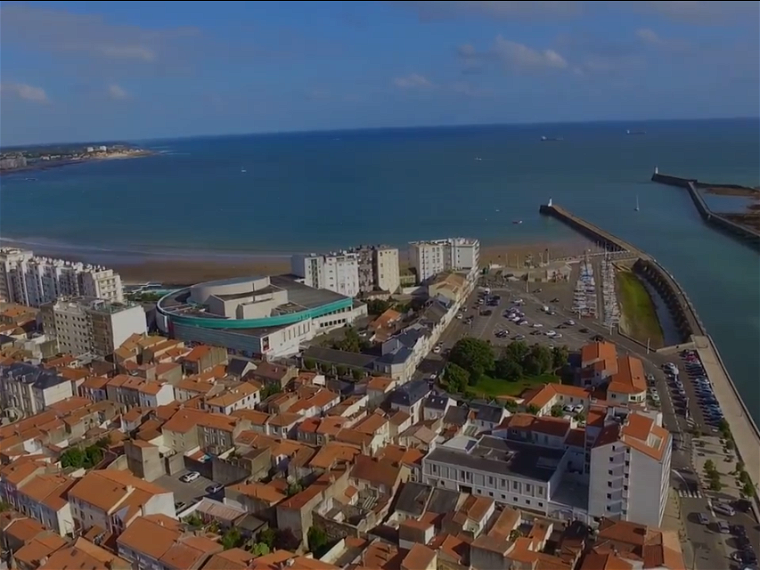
(282, 193)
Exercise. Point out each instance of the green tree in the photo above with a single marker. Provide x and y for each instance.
(533, 409)
(232, 538)
(715, 485)
(351, 341)
(377, 306)
(194, 520)
(517, 351)
(748, 490)
(286, 540)
(267, 537)
(729, 444)
(557, 411)
(309, 364)
(92, 456)
(474, 355)
(341, 370)
(560, 356)
(294, 489)
(539, 360)
(511, 405)
(357, 374)
(316, 539)
(259, 549)
(515, 534)
(457, 377)
(74, 458)
(709, 466)
(508, 369)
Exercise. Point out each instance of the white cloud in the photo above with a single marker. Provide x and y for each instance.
(117, 92)
(25, 92)
(522, 56)
(413, 81)
(648, 37)
(467, 90)
(62, 32)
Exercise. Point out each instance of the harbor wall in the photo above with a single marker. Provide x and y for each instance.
(746, 235)
(678, 303)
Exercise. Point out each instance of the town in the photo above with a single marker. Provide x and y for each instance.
(358, 413)
(50, 157)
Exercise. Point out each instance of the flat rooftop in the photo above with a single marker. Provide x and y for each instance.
(501, 458)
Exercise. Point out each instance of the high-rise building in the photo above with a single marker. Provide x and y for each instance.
(378, 268)
(86, 325)
(429, 258)
(338, 272)
(30, 280)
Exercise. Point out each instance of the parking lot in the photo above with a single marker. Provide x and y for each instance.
(184, 492)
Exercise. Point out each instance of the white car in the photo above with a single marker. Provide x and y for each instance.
(551, 334)
(437, 349)
(537, 325)
(578, 408)
(570, 322)
(190, 476)
(518, 302)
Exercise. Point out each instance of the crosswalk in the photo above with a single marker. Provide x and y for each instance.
(689, 494)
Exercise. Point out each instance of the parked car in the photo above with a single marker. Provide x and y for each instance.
(214, 488)
(190, 476)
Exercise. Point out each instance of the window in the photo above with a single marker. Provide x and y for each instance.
(609, 495)
(609, 472)
(540, 504)
(527, 501)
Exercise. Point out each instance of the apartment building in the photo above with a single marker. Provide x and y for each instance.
(86, 325)
(378, 268)
(31, 389)
(429, 258)
(338, 272)
(112, 500)
(30, 280)
(44, 498)
(617, 466)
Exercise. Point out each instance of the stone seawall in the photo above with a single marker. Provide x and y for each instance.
(745, 234)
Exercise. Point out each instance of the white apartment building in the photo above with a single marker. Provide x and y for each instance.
(30, 280)
(618, 468)
(85, 325)
(429, 258)
(378, 268)
(338, 272)
(31, 389)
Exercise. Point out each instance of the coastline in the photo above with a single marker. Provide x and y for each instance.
(182, 267)
(50, 165)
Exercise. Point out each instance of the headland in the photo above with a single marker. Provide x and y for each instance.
(44, 158)
(743, 428)
(743, 226)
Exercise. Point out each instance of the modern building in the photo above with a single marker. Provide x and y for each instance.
(618, 466)
(378, 268)
(263, 317)
(86, 325)
(429, 258)
(31, 389)
(30, 280)
(337, 272)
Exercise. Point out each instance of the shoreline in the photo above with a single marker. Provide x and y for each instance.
(52, 165)
(192, 266)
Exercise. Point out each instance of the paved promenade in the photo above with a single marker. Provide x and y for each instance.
(743, 428)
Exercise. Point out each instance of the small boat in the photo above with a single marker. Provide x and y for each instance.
(478, 158)
(30, 179)
(551, 139)
(517, 222)
(243, 170)
(637, 204)
(630, 132)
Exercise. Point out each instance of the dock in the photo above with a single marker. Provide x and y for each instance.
(745, 234)
(743, 427)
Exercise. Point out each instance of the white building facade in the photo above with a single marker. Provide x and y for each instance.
(84, 325)
(338, 272)
(30, 280)
(429, 258)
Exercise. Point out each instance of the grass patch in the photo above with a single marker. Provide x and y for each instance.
(495, 387)
(639, 315)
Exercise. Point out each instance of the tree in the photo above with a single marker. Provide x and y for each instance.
(309, 364)
(517, 351)
(259, 549)
(357, 374)
(557, 411)
(286, 540)
(351, 341)
(294, 489)
(194, 520)
(533, 409)
(316, 539)
(560, 356)
(474, 355)
(709, 466)
(73, 457)
(4, 506)
(729, 444)
(377, 306)
(508, 369)
(515, 534)
(457, 377)
(511, 405)
(231, 538)
(341, 370)
(267, 537)
(539, 360)
(715, 485)
(748, 490)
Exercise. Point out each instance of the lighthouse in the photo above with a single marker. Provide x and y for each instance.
(550, 203)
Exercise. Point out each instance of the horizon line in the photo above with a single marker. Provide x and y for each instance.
(389, 128)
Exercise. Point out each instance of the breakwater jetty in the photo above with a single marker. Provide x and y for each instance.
(745, 234)
(743, 427)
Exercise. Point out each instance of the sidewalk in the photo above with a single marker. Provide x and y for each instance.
(672, 520)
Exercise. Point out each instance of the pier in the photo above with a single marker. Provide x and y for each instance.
(743, 427)
(745, 234)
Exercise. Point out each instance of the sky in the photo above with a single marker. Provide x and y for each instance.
(91, 71)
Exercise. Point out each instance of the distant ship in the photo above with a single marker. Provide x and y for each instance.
(478, 158)
(637, 203)
(517, 222)
(243, 170)
(551, 139)
(630, 132)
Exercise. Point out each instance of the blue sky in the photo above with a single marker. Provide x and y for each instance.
(132, 70)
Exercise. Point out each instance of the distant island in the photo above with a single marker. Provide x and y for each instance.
(44, 157)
